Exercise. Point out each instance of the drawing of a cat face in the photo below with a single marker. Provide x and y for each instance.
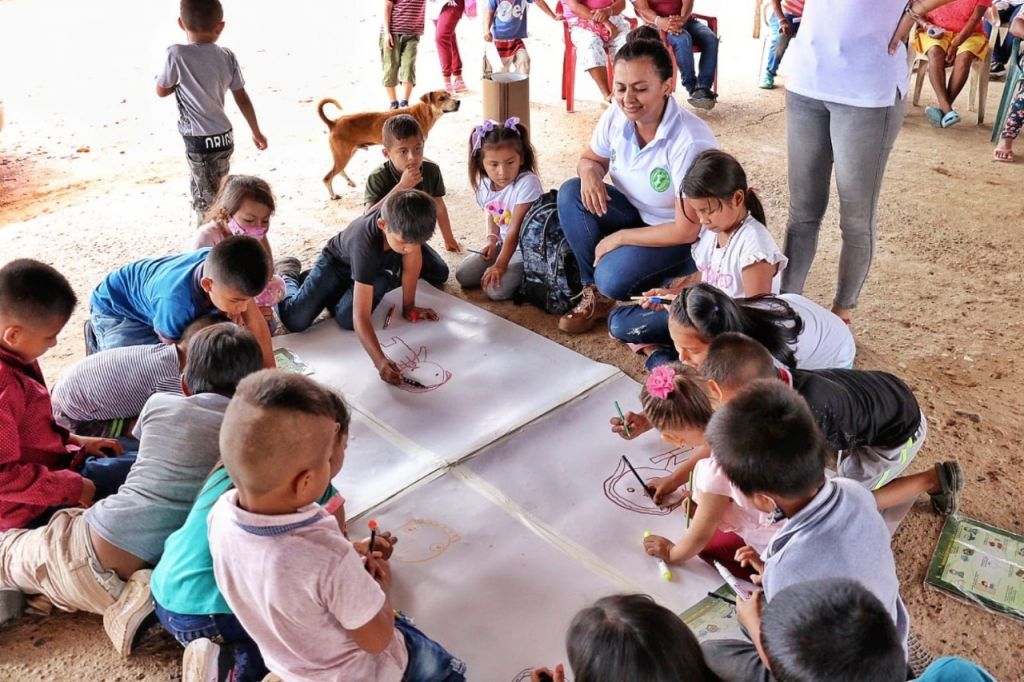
(624, 490)
(423, 540)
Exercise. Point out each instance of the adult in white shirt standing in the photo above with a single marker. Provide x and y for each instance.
(844, 107)
(632, 235)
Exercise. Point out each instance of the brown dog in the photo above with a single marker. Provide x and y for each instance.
(359, 131)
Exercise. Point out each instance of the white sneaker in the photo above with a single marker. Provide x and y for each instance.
(131, 613)
(200, 662)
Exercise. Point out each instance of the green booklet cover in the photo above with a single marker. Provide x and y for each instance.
(713, 618)
(981, 564)
(290, 362)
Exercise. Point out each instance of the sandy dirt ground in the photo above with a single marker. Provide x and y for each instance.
(92, 175)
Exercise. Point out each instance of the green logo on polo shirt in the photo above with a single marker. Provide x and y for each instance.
(660, 180)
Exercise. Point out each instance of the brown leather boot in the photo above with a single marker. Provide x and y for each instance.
(592, 307)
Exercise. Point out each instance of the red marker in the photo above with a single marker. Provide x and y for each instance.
(414, 316)
(373, 534)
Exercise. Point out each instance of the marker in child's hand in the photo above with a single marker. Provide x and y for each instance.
(373, 534)
(647, 488)
(663, 569)
(732, 580)
(479, 253)
(408, 381)
(664, 299)
(387, 318)
(625, 424)
(689, 498)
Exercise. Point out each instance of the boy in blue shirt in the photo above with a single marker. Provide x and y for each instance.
(505, 26)
(154, 299)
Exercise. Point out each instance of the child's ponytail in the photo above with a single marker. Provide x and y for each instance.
(717, 175)
(675, 396)
(767, 319)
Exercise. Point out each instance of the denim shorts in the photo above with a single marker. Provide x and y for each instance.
(428, 660)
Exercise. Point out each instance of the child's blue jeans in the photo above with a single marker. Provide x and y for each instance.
(110, 331)
(225, 630)
(428, 660)
(329, 285)
(695, 32)
(777, 47)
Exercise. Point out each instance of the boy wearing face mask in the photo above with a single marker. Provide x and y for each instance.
(198, 74)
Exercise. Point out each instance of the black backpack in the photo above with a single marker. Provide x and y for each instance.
(551, 277)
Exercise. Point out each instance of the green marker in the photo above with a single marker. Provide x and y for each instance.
(625, 426)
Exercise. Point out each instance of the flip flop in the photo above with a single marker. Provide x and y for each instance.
(950, 119)
(934, 115)
(1002, 155)
(951, 482)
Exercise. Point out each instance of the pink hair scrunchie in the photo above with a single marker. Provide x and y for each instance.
(661, 382)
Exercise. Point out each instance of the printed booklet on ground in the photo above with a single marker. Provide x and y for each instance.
(981, 564)
(290, 362)
(714, 617)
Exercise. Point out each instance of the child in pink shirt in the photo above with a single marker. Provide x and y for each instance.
(336, 621)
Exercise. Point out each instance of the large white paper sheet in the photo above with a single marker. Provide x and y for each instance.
(479, 582)
(481, 376)
(376, 468)
(566, 470)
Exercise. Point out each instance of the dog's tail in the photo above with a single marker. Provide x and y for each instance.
(320, 110)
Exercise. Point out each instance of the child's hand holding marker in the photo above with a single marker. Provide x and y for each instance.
(659, 547)
(389, 371)
(384, 545)
(747, 556)
(417, 314)
(630, 425)
(655, 298)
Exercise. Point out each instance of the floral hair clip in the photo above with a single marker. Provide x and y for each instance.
(661, 382)
(487, 126)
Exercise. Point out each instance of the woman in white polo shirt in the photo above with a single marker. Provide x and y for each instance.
(844, 107)
(632, 235)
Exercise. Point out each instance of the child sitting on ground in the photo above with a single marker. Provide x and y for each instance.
(505, 26)
(378, 252)
(1015, 116)
(188, 602)
(503, 173)
(93, 561)
(42, 466)
(630, 637)
(406, 168)
(733, 252)
(785, 22)
(950, 35)
(152, 300)
(198, 74)
(399, 40)
(103, 393)
(336, 622)
(797, 331)
(243, 206)
(769, 447)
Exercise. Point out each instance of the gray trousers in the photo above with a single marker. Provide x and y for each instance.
(857, 142)
(735, 660)
(471, 270)
(206, 172)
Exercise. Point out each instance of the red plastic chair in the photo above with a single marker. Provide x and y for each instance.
(712, 23)
(569, 63)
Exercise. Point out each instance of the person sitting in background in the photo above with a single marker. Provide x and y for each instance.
(1008, 11)
(1015, 116)
(683, 33)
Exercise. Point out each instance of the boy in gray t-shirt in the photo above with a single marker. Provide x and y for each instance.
(198, 74)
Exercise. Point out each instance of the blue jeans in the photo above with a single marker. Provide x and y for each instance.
(777, 47)
(627, 270)
(225, 630)
(110, 331)
(633, 324)
(1003, 49)
(329, 285)
(695, 32)
(428, 660)
(108, 473)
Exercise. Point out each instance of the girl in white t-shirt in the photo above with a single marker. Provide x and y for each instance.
(503, 172)
(798, 332)
(734, 252)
